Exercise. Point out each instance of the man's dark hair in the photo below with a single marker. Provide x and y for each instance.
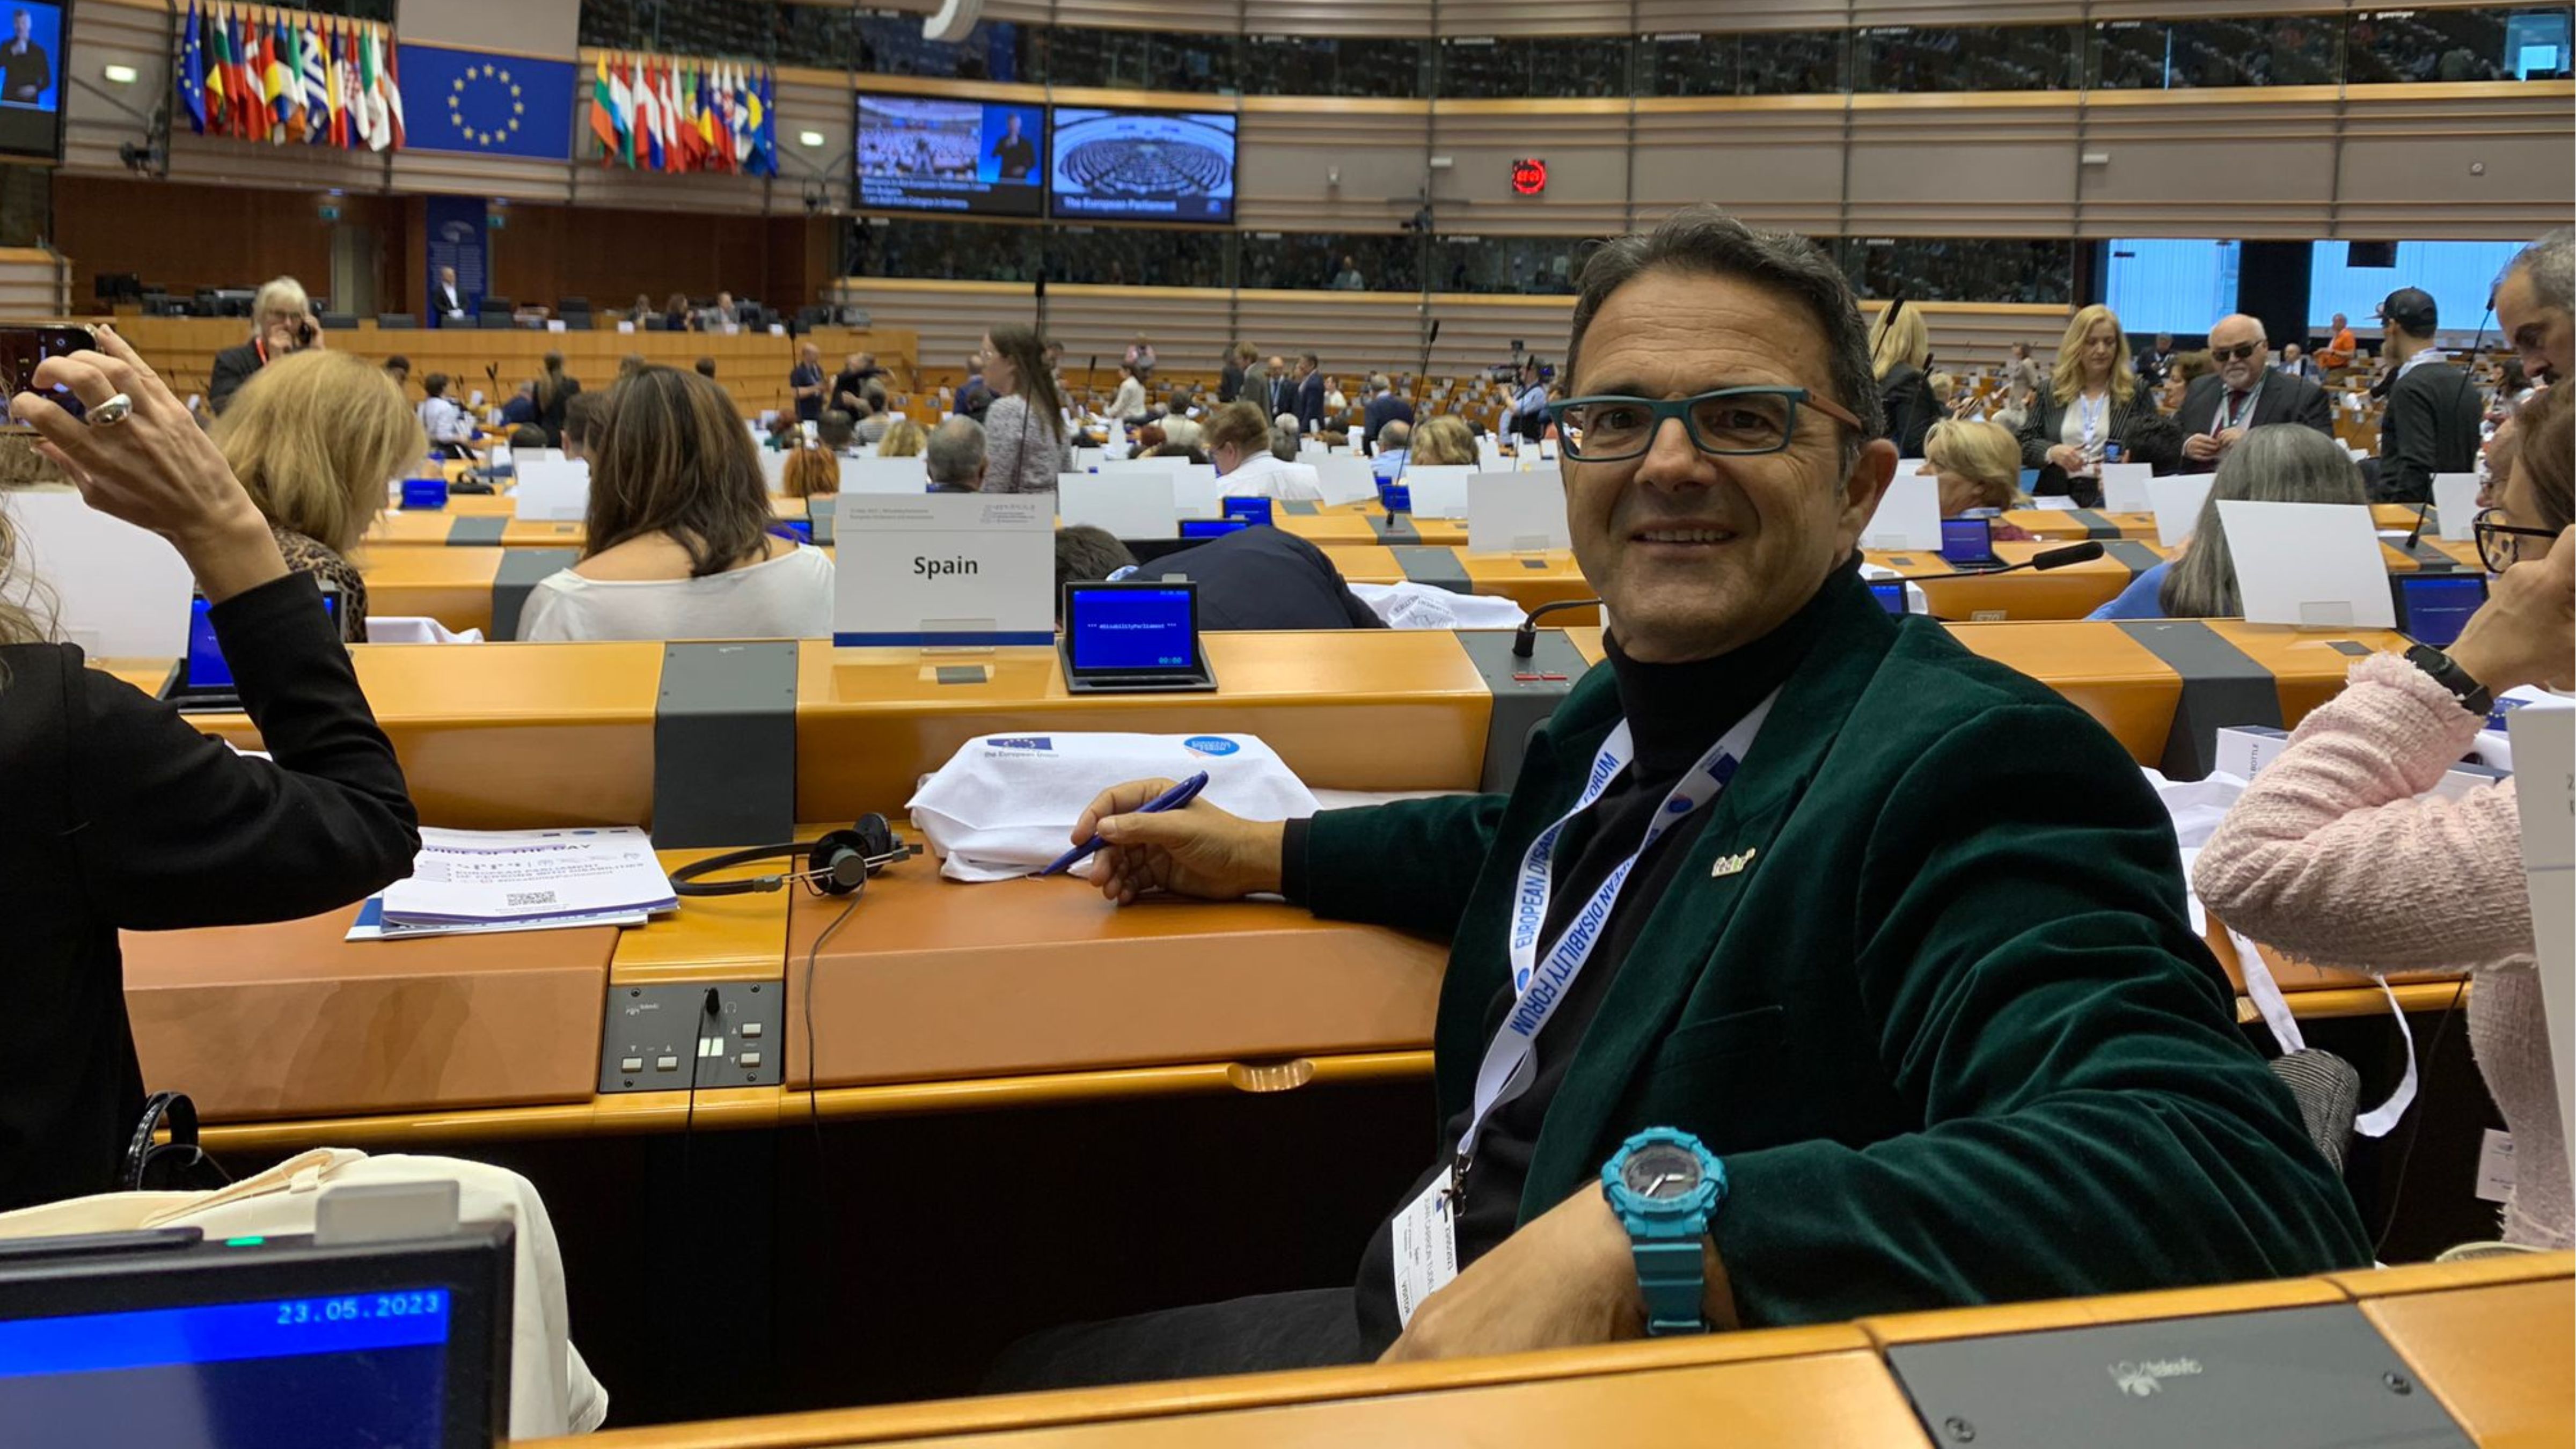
(2154, 439)
(707, 368)
(435, 384)
(836, 429)
(1707, 241)
(528, 435)
(1086, 555)
(398, 363)
(584, 413)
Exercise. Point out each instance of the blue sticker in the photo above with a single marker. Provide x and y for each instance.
(1211, 745)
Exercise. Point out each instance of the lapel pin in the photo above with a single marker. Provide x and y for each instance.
(1732, 864)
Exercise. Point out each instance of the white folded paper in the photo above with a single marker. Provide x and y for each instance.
(467, 876)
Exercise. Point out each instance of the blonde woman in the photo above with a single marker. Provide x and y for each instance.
(1979, 468)
(316, 438)
(1443, 440)
(2089, 403)
(1900, 348)
(903, 439)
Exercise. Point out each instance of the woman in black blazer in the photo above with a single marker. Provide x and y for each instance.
(121, 815)
(2092, 399)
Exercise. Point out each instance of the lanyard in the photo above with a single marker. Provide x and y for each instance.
(2229, 414)
(2090, 411)
(1541, 984)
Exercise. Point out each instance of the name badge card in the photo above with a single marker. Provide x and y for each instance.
(945, 570)
(1908, 516)
(1345, 480)
(1130, 503)
(1197, 492)
(551, 490)
(2544, 740)
(1440, 489)
(2317, 564)
(116, 589)
(2124, 487)
(2456, 496)
(884, 475)
(1516, 513)
(2176, 502)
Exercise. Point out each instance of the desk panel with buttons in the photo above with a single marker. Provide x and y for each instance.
(652, 1036)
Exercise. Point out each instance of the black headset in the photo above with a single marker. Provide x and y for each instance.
(838, 864)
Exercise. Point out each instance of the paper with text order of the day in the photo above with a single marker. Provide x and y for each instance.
(945, 569)
(504, 875)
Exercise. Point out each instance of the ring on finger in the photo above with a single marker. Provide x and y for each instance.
(111, 412)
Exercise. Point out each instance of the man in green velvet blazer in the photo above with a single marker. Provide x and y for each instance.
(1919, 977)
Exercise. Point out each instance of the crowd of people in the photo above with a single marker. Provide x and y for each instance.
(1997, 998)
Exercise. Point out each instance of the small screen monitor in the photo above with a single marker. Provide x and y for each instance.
(1250, 510)
(2433, 609)
(1213, 527)
(1141, 165)
(1890, 594)
(1968, 540)
(1136, 635)
(31, 79)
(204, 670)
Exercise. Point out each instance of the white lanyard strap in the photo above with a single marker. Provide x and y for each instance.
(1540, 984)
(2265, 993)
(2229, 414)
(2090, 410)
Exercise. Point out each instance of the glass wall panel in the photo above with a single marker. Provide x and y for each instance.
(1537, 265)
(1549, 66)
(1960, 269)
(2290, 50)
(1315, 261)
(1981, 58)
(1296, 65)
(2458, 45)
(1151, 60)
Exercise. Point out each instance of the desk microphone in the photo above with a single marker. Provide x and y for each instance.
(1525, 639)
(2055, 558)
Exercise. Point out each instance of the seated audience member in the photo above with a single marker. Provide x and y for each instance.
(1947, 401)
(1129, 401)
(1147, 438)
(1180, 404)
(838, 432)
(878, 417)
(398, 367)
(707, 368)
(902, 438)
(2336, 854)
(676, 313)
(809, 473)
(581, 425)
(2155, 440)
(642, 309)
(529, 438)
(724, 316)
(1179, 450)
(1283, 445)
(449, 427)
(1252, 578)
(1996, 1063)
(679, 545)
(1247, 461)
(281, 324)
(1444, 442)
(315, 438)
(1184, 432)
(122, 814)
(2245, 393)
(1979, 467)
(2010, 407)
(2091, 401)
(2187, 368)
(954, 457)
(1394, 444)
(521, 409)
(1384, 407)
(2284, 463)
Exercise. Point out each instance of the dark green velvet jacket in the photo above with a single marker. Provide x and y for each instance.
(1947, 1025)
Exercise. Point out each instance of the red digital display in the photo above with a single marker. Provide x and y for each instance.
(1529, 176)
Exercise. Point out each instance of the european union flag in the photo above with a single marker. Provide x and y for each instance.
(496, 105)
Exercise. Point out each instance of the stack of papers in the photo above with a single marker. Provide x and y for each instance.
(479, 881)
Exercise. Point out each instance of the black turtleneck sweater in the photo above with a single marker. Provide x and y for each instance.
(1674, 712)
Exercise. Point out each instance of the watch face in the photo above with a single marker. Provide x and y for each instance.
(1661, 1170)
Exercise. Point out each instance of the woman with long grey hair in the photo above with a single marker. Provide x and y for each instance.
(2277, 463)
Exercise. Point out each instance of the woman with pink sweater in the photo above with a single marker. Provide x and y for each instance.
(2335, 854)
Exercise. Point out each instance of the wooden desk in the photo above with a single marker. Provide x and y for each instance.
(2051, 525)
(451, 585)
(2068, 592)
(1363, 524)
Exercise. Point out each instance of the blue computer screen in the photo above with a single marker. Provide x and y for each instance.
(1967, 540)
(1890, 594)
(2438, 608)
(1212, 527)
(360, 1368)
(206, 666)
(1131, 629)
(1250, 510)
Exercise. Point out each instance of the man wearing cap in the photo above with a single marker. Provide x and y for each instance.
(2431, 425)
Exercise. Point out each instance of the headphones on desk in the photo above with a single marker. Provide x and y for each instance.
(838, 864)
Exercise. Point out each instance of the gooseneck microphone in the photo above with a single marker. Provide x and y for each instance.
(1525, 639)
(2055, 558)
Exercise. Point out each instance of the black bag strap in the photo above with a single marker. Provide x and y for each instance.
(180, 1163)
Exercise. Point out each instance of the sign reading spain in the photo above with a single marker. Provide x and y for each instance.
(486, 104)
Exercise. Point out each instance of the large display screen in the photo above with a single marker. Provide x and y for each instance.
(31, 78)
(2459, 274)
(1142, 165)
(977, 157)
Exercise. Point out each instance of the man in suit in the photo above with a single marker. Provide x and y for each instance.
(26, 73)
(2157, 361)
(1384, 407)
(2434, 409)
(1773, 910)
(2244, 393)
(2295, 362)
(1309, 404)
(1252, 578)
(446, 303)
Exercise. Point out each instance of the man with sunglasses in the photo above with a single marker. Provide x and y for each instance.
(1813, 967)
(2245, 393)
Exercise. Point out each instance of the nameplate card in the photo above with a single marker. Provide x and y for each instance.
(2124, 487)
(945, 570)
(2544, 749)
(2456, 495)
(108, 586)
(1440, 489)
(2315, 564)
(1516, 512)
(1130, 503)
(2176, 502)
(884, 475)
(1345, 479)
(1908, 516)
(551, 490)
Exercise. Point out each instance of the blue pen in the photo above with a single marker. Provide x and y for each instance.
(1171, 799)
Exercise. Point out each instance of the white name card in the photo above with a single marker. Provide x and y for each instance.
(2177, 502)
(1439, 490)
(1908, 516)
(551, 490)
(1516, 512)
(2544, 752)
(773, 469)
(884, 475)
(1345, 480)
(952, 570)
(1132, 503)
(2316, 564)
(2456, 495)
(2124, 487)
(1197, 492)
(109, 587)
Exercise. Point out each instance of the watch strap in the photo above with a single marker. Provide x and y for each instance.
(1674, 1279)
(2474, 697)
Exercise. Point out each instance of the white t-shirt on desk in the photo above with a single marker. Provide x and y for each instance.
(788, 597)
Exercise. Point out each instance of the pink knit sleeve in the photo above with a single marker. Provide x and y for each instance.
(2330, 856)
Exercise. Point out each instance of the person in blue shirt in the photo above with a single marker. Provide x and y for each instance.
(2275, 463)
(1394, 441)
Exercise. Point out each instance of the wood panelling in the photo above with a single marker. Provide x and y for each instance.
(183, 237)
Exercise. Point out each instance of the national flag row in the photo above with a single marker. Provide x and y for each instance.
(662, 113)
(263, 74)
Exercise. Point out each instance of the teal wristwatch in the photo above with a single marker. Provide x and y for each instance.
(1665, 1187)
